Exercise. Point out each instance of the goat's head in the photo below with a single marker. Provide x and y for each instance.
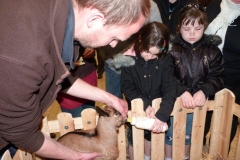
(112, 115)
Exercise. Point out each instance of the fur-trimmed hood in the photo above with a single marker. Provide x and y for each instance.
(208, 40)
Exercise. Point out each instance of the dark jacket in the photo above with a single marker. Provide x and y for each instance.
(167, 19)
(32, 70)
(198, 66)
(150, 80)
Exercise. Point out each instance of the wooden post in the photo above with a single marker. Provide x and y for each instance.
(122, 143)
(66, 123)
(138, 134)
(6, 155)
(179, 130)
(199, 119)
(221, 123)
(89, 118)
(158, 140)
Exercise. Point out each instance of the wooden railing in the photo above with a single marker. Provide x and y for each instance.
(223, 107)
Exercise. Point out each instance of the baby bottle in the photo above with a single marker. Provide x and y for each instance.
(143, 122)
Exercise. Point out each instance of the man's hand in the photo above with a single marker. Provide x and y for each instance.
(89, 156)
(119, 104)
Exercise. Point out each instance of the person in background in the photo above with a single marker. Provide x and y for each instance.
(169, 10)
(198, 66)
(36, 53)
(151, 77)
(224, 21)
(85, 68)
(100, 65)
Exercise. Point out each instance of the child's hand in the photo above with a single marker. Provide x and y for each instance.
(150, 113)
(187, 100)
(199, 98)
(159, 126)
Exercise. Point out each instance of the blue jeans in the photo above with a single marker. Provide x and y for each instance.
(169, 133)
(77, 111)
(113, 84)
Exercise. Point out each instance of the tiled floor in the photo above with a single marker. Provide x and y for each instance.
(53, 111)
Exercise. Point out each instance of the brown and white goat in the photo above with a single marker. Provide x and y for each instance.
(103, 139)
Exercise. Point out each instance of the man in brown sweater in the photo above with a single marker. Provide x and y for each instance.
(36, 53)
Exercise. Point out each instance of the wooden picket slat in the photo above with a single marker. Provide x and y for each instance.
(179, 130)
(6, 155)
(122, 143)
(138, 134)
(89, 118)
(66, 123)
(199, 117)
(221, 123)
(22, 155)
(157, 140)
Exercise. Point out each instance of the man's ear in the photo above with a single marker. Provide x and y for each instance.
(96, 18)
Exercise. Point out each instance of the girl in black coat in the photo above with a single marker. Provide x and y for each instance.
(198, 65)
(151, 77)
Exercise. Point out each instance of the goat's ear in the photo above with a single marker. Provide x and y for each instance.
(101, 112)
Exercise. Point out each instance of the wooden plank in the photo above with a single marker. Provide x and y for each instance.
(66, 123)
(199, 119)
(122, 143)
(221, 123)
(179, 130)
(89, 118)
(157, 140)
(45, 127)
(238, 148)
(6, 155)
(138, 134)
(22, 155)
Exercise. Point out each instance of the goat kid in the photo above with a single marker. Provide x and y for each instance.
(102, 139)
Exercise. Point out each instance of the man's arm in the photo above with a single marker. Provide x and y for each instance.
(53, 149)
(82, 89)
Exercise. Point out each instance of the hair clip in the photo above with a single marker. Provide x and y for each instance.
(192, 5)
(164, 45)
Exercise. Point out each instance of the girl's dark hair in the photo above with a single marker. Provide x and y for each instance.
(153, 34)
(190, 13)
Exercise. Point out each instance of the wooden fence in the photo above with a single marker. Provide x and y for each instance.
(223, 108)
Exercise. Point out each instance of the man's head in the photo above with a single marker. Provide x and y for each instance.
(102, 22)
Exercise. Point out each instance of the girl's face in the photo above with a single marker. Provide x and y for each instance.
(192, 33)
(152, 53)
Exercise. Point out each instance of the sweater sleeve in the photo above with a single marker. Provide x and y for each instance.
(20, 105)
(215, 78)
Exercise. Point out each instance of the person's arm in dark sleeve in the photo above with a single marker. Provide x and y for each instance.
(169, 89)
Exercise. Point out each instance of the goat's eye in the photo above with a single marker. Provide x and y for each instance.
(117, 113)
